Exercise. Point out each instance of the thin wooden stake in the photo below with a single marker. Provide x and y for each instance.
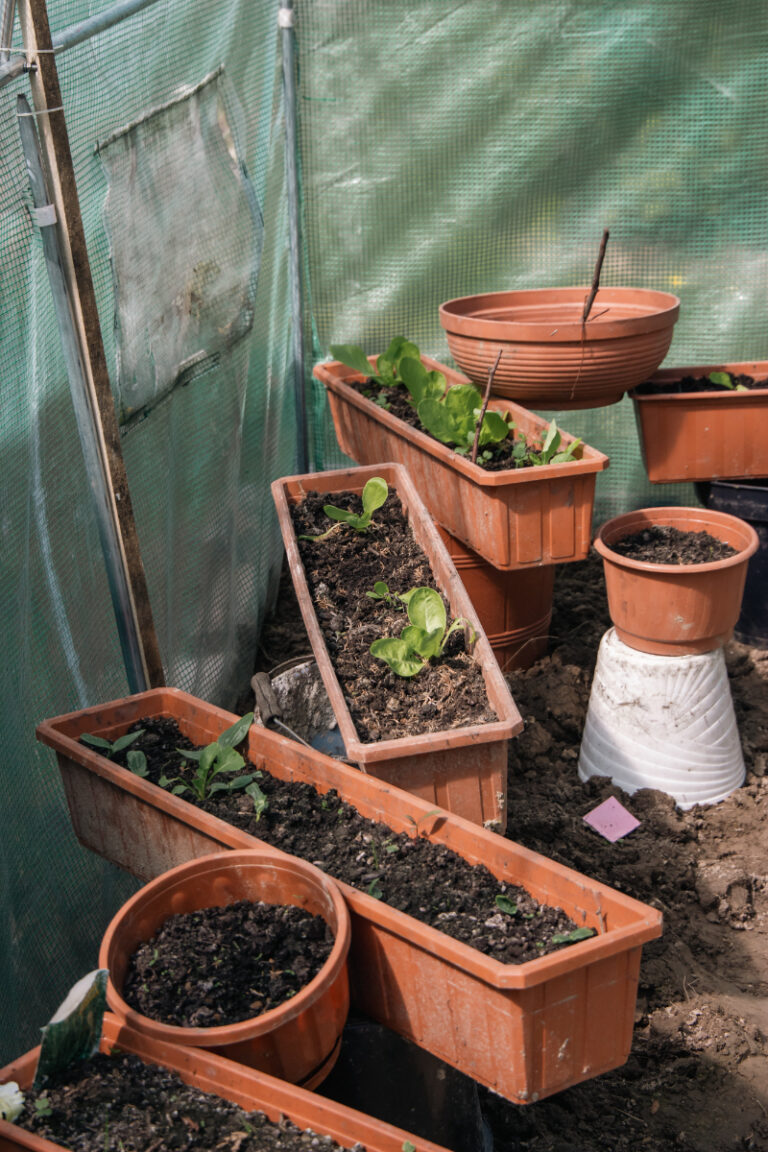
(138, 629)
(486, 398)
(596, 278)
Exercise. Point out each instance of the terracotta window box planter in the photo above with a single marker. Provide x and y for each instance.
(549, 358)
(675, 609)
(461, 769)
(517, 518)
(524, 1031)
(243, 1086)
(299, 1039)
(704, 435)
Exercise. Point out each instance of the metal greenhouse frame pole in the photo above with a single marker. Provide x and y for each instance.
(57, 210)
(285, 21)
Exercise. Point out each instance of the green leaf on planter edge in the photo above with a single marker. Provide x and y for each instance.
(353, 357)
(573, 937)
(397, 654)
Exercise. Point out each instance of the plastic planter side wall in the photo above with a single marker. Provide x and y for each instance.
(518, 518)
(524, 1031)
(461, 769)
(243, 1086)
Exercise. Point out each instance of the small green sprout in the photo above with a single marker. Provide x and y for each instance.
(550, 451)
(408, 1147)
(374, 495)
(424, 638)
(43, 1106)
(504, 904)
(374, 889)
(726, 381)
(573, 937)
(417, 823)
(217, 759)
(136, 761)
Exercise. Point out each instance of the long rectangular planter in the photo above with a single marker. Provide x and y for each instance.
(249, 1089)
(704, 435)
(461, 769)
(517, 518)
(524, 1031)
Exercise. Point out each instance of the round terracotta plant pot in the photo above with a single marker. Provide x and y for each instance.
(675, 609)
(550, 360)
(297, 1041)
(514, 608)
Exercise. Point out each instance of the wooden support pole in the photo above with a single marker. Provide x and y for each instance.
(137, 632)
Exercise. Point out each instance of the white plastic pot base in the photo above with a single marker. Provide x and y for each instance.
(663, 722)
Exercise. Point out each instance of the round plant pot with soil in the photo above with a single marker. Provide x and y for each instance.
(298, 1039)
(550, 357)
(706, 422)
(672, 608)
(287, 1117)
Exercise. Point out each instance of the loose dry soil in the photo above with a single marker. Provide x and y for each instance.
(697, 1077)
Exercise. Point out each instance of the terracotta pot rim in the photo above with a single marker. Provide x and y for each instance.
(228, 1034)
(634, 521)
(657, 310)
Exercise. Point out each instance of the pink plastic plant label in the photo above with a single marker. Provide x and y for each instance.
(611, 819)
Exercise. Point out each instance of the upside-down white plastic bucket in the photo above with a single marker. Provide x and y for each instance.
(663, 722)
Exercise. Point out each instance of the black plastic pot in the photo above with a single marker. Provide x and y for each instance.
(747, 499)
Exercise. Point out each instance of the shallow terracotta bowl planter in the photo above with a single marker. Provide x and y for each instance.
(524, 1031)
(551, 360)
(675, 609)
(299, 1039)
(461, 769)
(517, 518)
(704, 435)
(243, 1086)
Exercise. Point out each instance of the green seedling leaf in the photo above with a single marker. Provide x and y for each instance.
(495, 428)
(399, 348)
(426, 610)
(723, 378)
(136, 762)
(374, 495)
(408, 1147)
(425, 644)
(374, 889)
(353, 357)
(237, 733)
(380, 591)
(420, 381)
(42, 1107)
(260, 801)
(573, 937)
(396, 653)
(96, 741)
(504, 904)
(109, 749)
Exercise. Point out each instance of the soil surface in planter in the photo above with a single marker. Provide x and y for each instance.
(223, 965)
(697, 1076)
(663, 544)
(118, 1104)
(428, 881)
(450, 691)
(399, 404)
(698, 384)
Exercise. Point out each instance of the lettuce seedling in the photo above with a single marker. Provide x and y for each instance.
(726, 381)
(387, 371)
(421, 640)
(135, 761)
(452, 419)
(550, 452)
(374, 495)
(573, 937)
(217, 759)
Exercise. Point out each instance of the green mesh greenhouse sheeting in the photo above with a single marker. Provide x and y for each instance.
(446, 148)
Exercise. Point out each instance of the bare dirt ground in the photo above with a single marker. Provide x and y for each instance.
(697, 1076)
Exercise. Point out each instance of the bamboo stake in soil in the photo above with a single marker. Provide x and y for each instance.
(486, 398)
(596, 278)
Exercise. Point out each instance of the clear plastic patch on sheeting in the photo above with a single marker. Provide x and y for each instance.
(185, 280)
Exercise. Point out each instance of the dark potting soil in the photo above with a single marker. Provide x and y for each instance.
(662, 544)
(119, 1104)
(450, 691)
(428, 881)
(699, 384)
(399, 404)
(222, 965)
